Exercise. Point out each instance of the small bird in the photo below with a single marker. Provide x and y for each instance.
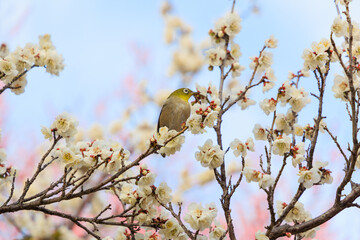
(176, 110)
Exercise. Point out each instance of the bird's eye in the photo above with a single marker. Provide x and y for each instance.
(186, 91)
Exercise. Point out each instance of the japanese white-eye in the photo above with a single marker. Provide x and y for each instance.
(176, 110)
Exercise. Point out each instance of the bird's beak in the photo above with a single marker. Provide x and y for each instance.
(193, 93)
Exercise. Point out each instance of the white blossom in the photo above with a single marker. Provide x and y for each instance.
(8, 68)
(309, 177)
(271, 42)
(215, 56)
(171, 147)
(232, 24)
(281, 145)
(244, 102)
(147, 180)
(297, 213)
(236, 69)
(163, 193)
(217, 232)
(315, 57)
(172, 229)
(298, 130)
(341, 87)
(65, 125)
(268, 105)
(200, 217)
(18, 87)
(235, 51)
(325, 173)
(210, 119)
(339, 27)
(282, 123)
(194, 122)
(259, 132)
(209, 155)
(298, 99)
(251, 175)
(241, 148)
(263, 62)
(266, 180)
(2, 160)
(298, 152)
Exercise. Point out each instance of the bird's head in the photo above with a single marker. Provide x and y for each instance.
(183, 93)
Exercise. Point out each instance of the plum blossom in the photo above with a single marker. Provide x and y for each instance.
(8, 68)
(251, 175)
(317, 56)
(325, 173)
(209, 155)
(268, 105)
(268, 80)
(217, 232)
(339, 27)
(309, 177)
(271, 42)
(298, 99)
(298, 153)
(282, 123)
(259, 132)
(281, 145)
(241, 148)
(263, 62)
(172, 229)
(297, 213)
(341, 87)
(163, 193)
(266, 180)
(65, 125)
(171, 147)
(200, 217)
(232, 24)
(215, 56)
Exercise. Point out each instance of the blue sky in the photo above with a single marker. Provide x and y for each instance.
(96, 39)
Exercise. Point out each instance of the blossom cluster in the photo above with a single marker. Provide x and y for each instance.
(162, 138)
(64, 126)
(187, 59)
(205, 110)
(244, 101)
(146, 197)
(297, 215)
(14, 65)
(77, 154)
(226, 28)
(319, 54)
(341, 29)
(288, 93)
(242, 148)
(316, 175)
(262, 64)
(264, 180)
(209, 155)
(89, 154)
(39, 226)
(200, 217)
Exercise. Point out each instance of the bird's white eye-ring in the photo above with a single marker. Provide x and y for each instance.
(186, 91)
